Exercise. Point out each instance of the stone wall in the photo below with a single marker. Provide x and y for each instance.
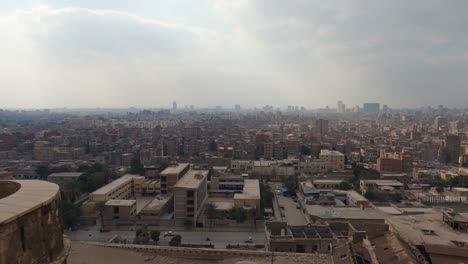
(34, 237)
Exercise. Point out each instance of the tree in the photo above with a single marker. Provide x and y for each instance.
(345, 186)
(440, 189)
(239, 214)
(253, 215)
(305, 150)
(43, 171)
(70, 213)
(188, 223)
(290, 184)
(175, 241)
(100, 207)
(266, 196)
(72, 191)
(212, 146)
(210, 212)
(136, 167)
(155, 235)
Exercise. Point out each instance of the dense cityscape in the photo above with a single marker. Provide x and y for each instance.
(365, 184)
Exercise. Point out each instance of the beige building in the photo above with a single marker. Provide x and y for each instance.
(156, 209)
(64, 178)
(190, 195)
(383, 185)
(119, 211)
(171, 175)
(331, 160)
(123, 188)
(250, 196)
(327, 184)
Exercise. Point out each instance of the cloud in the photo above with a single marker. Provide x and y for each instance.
(309, 53)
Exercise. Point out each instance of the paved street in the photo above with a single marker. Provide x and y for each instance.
(218, 239)
(293, 215)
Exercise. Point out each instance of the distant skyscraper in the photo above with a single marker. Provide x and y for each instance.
(385, 108)
(452, 144)
(440, 121)
(371, 107)
(341, 108)
(322, 126)
(174, 106)
(192, 107)
(237, 107)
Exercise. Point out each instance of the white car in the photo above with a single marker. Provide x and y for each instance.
(169, 234)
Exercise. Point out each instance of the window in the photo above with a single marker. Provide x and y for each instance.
(23, 238)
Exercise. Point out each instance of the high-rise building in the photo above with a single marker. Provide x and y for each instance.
(174, 106)
(452, 144)
(371, 107)
(322, 126)
(237, 107)
(190, 195)
(171, 175)
(341, 108)
(440, 121)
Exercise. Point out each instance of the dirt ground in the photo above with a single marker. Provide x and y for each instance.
(89, 254)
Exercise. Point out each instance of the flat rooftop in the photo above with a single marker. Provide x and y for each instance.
(330, 152)
(410, 228)
(221, 203)
(23, 197)
(327, 181)
(120, 202)
(251, 190)
(157, 203)
(175, 169)
(116, 184)
(66, 174)
(192, 179)
(346, 212)
(384, 182)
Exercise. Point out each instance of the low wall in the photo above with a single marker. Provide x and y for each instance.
(199, 253)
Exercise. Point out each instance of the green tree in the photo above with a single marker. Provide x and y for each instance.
(188, 223)
(100, 208)
(266, 196)
(70, 213)
(175, 241)
(210, 212)
(305, 150)
(440, 189)
(136, 167)
(212, 146)
(345, 186)
(42, 171)
(290, 184)
(239, 214)
(154, 234)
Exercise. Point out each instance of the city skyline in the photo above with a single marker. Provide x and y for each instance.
(213, 52)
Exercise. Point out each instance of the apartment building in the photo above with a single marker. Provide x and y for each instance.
(250, 196)
(171, 175)
(331, 160)
(64, 178)
(190, 195)
(121, 189)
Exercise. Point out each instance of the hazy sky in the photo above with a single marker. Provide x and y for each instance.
(113, 53)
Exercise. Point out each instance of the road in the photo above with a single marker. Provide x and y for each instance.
(293, 215)
(218, 239)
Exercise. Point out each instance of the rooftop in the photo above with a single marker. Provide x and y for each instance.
(330, 152)
(346, 212)
(192, 179)
(157, 203)
(384, 182)
(21, 197)
(115, 184)
(251, 190)
(121, 202)
(410, 228)
(66, 174)
(175, 169)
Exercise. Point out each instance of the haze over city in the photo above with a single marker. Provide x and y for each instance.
(217, 52)
(234, 132)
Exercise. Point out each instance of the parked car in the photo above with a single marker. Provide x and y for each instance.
(105, 229)
(169, 234)
(249, 240)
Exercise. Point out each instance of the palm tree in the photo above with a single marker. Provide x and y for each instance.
(100, 207)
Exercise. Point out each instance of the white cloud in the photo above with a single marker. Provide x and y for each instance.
(308, 53)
